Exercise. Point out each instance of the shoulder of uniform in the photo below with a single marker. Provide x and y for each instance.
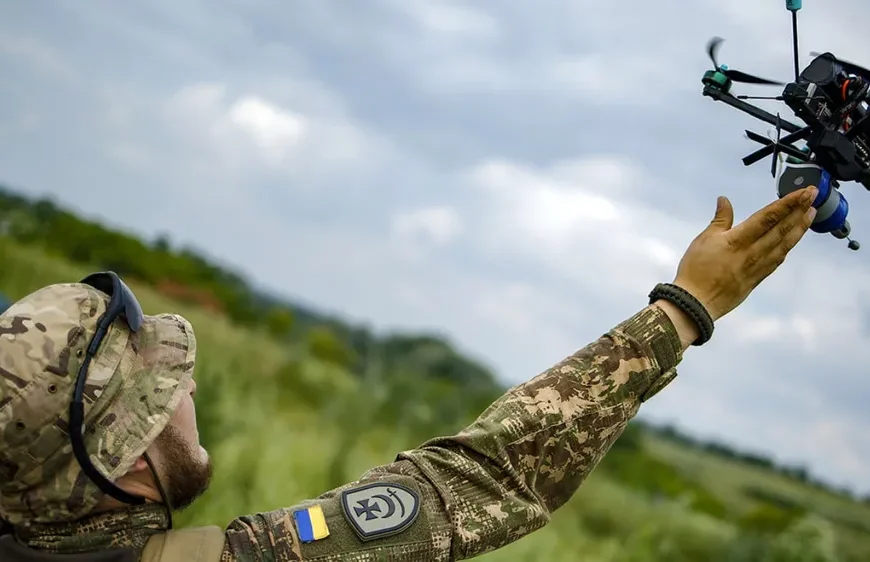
(384, 511)
(193, 543)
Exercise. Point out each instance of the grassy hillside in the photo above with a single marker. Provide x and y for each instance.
(287, 415)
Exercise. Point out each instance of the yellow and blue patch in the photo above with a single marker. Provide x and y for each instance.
(311, 524)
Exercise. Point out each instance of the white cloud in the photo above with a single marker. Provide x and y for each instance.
(130, 155)
(274, 130)
(37, 54)
(247, 131)
(757, 329)
(454, 20)
(439, 225)
(524, 312)
(240, 134)
(614, 78)
(836, 439)
(579, 220)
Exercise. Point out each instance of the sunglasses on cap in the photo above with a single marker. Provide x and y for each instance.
(123, 305)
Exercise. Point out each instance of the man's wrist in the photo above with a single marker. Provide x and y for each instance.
(652, 330)
(683, 323)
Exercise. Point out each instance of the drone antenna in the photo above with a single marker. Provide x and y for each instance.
(794, 6)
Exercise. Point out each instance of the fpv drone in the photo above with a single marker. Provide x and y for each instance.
(832, 97)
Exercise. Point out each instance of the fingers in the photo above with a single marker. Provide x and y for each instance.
(752, 229)
(770, 261)
(777, 242)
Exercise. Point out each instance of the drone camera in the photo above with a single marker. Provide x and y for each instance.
(822, 71)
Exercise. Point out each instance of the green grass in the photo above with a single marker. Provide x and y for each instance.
(741, 485)
(731, 478)
(283, 426)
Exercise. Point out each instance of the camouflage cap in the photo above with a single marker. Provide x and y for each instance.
(134, 385)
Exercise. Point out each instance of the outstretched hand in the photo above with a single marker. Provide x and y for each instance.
(723, 264)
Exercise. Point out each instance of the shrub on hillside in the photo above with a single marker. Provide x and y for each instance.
(807, 539)
(643, 472)
(325, 345)
(769, 519)
(280, 322)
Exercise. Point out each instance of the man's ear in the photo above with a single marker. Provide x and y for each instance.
(141, 465)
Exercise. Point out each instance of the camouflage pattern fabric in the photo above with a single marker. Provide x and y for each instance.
(455, 497)
(126, 528)
(133, 388)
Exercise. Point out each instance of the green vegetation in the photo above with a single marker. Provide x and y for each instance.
(291, 403)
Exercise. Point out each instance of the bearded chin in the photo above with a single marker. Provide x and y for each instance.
(186, 474)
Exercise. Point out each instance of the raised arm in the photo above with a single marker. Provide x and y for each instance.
(502, 477)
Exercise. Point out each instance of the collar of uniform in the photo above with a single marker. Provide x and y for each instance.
(120, 528)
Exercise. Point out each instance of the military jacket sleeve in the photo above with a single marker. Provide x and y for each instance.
(495, 481)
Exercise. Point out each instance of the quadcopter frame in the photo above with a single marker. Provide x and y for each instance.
(714, 90)
(832, 97)
(841, 151)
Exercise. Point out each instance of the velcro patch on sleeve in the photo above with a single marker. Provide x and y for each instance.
(311, 524)
(380, 509)
(387, 515)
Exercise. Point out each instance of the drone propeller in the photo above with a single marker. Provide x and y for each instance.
(734, 75)
(773, 161)
(780, 145)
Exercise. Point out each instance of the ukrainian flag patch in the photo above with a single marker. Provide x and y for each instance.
(311, 524)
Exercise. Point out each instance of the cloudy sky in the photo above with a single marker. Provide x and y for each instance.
(514, 175)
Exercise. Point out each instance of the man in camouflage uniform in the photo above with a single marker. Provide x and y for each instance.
(452, 498)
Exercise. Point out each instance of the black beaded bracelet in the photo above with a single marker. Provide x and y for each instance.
(686, 302)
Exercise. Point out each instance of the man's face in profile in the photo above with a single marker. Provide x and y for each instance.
(186, 474)
(184, 464)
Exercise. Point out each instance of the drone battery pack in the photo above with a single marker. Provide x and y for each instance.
(800, 176)
(831, 206)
